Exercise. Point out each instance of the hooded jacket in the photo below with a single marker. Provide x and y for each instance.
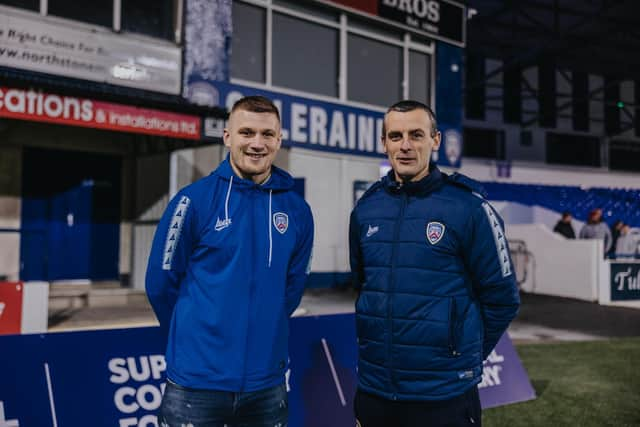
(227, 268)
(599, 230)
(437, 286)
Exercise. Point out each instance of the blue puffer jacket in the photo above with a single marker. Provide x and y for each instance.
(227, 267)
(437, 286)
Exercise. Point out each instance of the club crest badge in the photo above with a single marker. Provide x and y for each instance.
(435, 231)
(281, 222)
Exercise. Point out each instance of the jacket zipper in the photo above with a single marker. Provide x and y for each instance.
(453, 351)
(394, 253)
(252, 198)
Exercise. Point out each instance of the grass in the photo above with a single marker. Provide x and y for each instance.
(584, 384)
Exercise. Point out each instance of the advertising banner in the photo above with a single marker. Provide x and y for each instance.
(326, 126)
(116, 377)
(31, 42)
(504, 379)
(43, 107)
(625, 281)
(317, 125)
(440, 19)
(10, 308)
(207, 28)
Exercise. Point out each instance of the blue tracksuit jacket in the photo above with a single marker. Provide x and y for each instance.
(437, 286)
(227, 267)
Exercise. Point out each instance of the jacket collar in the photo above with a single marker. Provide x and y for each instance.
(430, 183)
(280, 180)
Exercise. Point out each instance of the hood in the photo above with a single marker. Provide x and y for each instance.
(279, 180)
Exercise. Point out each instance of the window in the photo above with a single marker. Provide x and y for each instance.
(624, 155)
(153, 18)
(375, 71)
(512, 94)
(475, 86)
(23, 4)
(316, 49)
(419, 77)
(248, 46)
(484, 143)
(315, 10)
(98, 12)
(305, 55)
(578, 150)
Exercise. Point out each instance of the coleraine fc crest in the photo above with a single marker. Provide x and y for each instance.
(281, 222)
(435, 231)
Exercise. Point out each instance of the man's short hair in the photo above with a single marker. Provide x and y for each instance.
(255, 104)
(409, 105)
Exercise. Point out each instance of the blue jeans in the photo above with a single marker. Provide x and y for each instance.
(187, 407)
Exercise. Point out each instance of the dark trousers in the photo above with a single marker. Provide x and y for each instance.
(183, 406)
(374, 411)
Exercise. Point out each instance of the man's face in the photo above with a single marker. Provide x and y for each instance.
(253, 140)
(597, 215)
(408, 143)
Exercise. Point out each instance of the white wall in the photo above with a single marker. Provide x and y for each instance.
(558, 266)
(10, 241)
(329, 192)
(35, 307)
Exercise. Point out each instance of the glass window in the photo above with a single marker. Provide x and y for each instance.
(378, 28)
(298, 6)
(99, 12)
(248, 44)
(305, 55)
(375, 71)
(23, 4)
(153, 18)
(419, 77)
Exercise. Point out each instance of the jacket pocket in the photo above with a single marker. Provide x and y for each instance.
(453, 330)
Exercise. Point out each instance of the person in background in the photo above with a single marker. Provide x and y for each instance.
(595, 228)
(564, 226)
(437, 285)
(627, 244)
(227, 268)
(616, 227)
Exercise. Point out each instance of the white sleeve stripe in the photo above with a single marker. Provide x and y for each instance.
(174, 232)
(500, 240)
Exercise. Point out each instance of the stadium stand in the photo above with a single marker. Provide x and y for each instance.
(616, 203)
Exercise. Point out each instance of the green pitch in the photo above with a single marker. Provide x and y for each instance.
(583, 384)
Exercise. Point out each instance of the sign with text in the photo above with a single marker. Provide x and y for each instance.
(43, 107)
(327, 126)
(317, 125)
(44, 382)
(625, 281)
(440, 19)
(31, 42)
(10, 308)
(504, 379)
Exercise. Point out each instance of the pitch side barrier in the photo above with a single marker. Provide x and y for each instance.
(572, 268)
(116, 377)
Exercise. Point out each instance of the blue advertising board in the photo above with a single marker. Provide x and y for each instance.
(340, 128)
(116, 377)
(625, 281)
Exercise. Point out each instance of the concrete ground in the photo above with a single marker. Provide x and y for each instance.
(541, 318)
